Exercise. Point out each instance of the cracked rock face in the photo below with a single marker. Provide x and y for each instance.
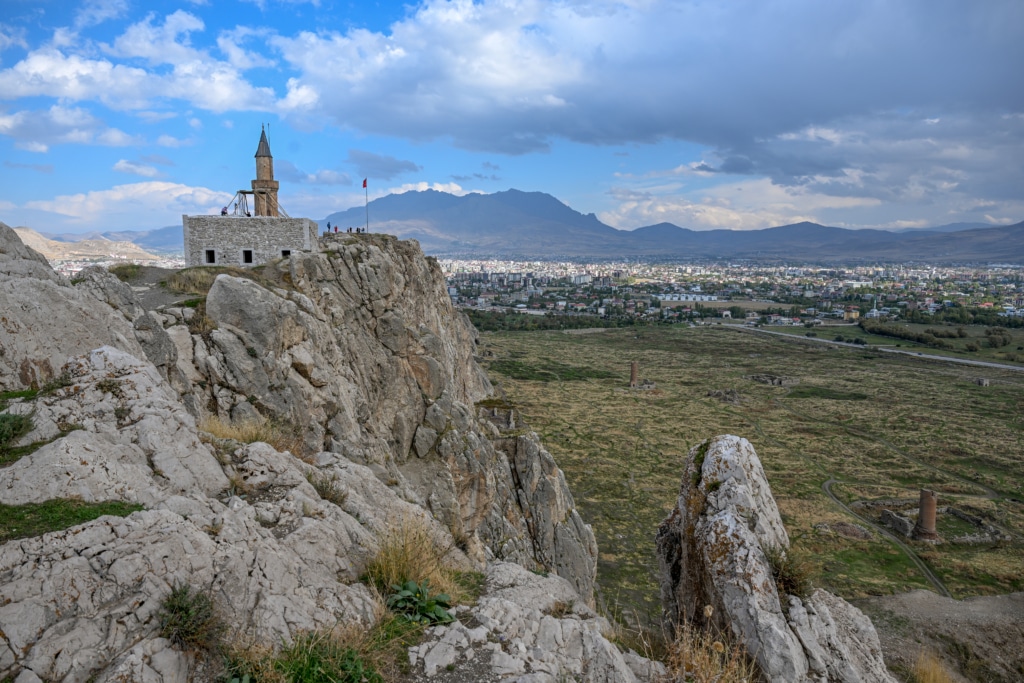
(363, 349)
(527, 629)
(713, 551)
(44, 320)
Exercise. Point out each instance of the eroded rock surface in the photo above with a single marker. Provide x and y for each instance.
(361, 350)
(527, 629)
(713, 551)
(361, 346)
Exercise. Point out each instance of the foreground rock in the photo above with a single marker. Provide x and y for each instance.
(527, 629)
(713, 550)
(361, 352)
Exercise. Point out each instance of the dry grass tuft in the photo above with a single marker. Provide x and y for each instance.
(198, 279)
(409, 552)
(281, 436)
(929, 669)
(702, 657)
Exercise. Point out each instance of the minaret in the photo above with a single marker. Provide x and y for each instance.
(264, 188)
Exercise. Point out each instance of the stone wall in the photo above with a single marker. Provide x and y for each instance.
(230, 236)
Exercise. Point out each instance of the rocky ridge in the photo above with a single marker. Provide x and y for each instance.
(714, 550)
(361, 350)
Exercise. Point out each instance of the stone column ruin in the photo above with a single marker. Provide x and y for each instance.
(634, 372)
(924, 530)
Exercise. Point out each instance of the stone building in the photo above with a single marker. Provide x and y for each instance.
(243, 237)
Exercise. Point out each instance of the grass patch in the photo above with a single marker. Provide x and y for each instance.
(929, 669)
(623, 453)
(808, 391)
(283, 437)
(409, 552)
(7, 396)
(546, 371)
(198, 279)
(125, 272)
(36, 519)
(348, 654)
(703, 657)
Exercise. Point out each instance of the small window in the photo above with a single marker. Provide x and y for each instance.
(247, 256)
(211, 256)
(285, 253)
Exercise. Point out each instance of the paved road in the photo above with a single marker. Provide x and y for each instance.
(914, 354)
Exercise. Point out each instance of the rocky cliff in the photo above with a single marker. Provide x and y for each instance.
(360, 353)
(716, 549)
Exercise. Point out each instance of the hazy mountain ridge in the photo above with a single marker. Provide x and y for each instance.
(536, 225)
(514, 223)
(55, 250)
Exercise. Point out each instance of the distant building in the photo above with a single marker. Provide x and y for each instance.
(241, 236)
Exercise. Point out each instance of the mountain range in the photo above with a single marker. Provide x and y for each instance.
(535, 225)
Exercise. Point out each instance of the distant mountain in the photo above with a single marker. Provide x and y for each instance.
(84, 249)
(536, 225)
(169, 240)
(948, 227)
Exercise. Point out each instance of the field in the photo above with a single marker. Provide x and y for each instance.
(863, 425)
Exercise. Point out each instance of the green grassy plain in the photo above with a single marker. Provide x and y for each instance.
(881, 425)
(1012, 353)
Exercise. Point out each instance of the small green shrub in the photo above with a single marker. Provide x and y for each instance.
(414, 601)
(189, 620)
(327, 487)
(791, 574)
(12, 428)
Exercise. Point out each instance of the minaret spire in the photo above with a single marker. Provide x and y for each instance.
(265, 187)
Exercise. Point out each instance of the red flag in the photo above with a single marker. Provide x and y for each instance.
(364, 182)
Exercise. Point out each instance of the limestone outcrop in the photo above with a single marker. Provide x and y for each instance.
(362, 352)
(362, 348)
(713, 550)
(528, 629)
(44, 320)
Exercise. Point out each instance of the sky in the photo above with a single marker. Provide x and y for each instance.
(738, 114)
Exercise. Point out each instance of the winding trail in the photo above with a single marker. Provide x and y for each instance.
(928, 574)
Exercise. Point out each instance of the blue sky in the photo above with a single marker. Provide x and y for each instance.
(122, 114)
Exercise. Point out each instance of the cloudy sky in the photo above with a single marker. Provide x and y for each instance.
(124, 114)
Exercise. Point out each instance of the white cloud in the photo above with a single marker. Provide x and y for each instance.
(36, 131)
(450, 188)
(11, 37)
(125, 166)
(94, 12)
(230, 44)
(748, 205)
(164, 44)
(171, 141)
(156, 200)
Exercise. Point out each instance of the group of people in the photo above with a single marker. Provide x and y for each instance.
(356, 230)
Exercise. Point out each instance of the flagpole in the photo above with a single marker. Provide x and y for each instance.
(367, 198)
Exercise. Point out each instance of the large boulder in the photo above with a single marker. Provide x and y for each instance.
(713, 549)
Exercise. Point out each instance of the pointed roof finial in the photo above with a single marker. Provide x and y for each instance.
(263, 150)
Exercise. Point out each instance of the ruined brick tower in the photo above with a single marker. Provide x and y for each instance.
(264, 188)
